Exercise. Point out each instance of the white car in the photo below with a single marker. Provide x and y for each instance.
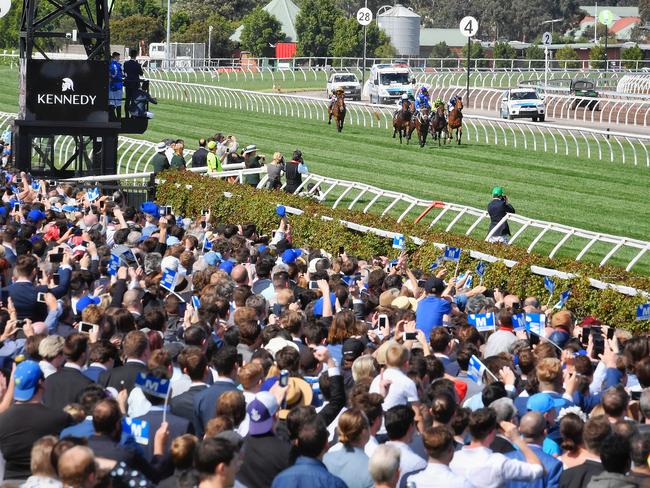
(347, 81)
(523, 103)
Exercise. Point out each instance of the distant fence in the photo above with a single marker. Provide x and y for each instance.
(558, 139)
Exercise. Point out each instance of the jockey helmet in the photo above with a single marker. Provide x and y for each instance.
(339, 89)
(405, 96)
(424, 90)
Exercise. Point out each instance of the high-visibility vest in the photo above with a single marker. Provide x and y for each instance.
(214, 164)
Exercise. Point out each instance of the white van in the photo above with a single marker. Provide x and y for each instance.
(388, 82)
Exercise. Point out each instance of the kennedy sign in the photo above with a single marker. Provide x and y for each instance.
(67, 91)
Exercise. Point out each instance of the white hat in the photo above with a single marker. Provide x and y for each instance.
(250, 149)
(311, 269)
(278, 343)
(161, 146)
(170, 262)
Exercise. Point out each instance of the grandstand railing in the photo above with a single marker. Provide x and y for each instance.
(417, 204)
(559, 139)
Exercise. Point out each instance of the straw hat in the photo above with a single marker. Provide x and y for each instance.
(299, 393)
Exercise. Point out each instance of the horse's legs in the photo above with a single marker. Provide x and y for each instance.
(460, 134)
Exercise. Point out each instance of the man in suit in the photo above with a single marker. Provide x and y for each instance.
(68, 383)
(101, 357)
(9, 243)
(176, 426)
(23, 292)
(533, 429)
(205, 402)
(194, 364)
(200, 156)
(136, 350)
(442, 347)
(105, 442)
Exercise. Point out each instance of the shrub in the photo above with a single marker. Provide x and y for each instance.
(249, 204)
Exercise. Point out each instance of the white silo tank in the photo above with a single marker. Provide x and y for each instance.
(403, 27)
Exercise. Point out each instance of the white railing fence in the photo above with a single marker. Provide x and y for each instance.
(414, 204)
(634, 84)
(557, 139)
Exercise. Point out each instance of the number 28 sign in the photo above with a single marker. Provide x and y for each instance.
(5, 5)
(364, 16)
(469, 26)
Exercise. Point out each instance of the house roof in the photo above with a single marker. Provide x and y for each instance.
(452, 37)
(283, 10)
(624, 23)
(617, 11)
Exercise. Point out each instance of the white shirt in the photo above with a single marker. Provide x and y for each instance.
(369, 448)
(46, 368)
(402, 389)
(492, 468)
(439, 476)
(408, 460)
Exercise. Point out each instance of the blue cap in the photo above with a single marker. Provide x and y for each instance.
(318, 305)
(543, 402)
(26, 378)
(85, 301)
(36, 215)
(290, 255)
(227, 266)
(172, 241)
(261, 248)
(212, 258)
(281, 210)
(150, 208)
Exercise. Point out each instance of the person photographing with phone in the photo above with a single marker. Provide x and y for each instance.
(499, 208)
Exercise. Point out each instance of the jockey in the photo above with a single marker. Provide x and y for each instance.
(338, 91)
(452, 102)
(422, 100)
(438, 101)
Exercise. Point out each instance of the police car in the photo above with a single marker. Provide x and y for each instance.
(522, 103)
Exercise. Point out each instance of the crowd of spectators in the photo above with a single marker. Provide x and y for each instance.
(287, 366)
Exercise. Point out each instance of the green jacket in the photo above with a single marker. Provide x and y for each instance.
(159, 162)
(178, 162)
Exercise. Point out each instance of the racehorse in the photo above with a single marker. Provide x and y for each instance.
(403, 122)
(456, 121)
(422, 122)
(338, 112)
(438, 125)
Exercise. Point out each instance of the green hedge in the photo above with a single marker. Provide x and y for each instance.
(250, 205)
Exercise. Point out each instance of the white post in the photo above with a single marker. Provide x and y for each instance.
(596, 24)
(545, 68)
(210, 28)
(168, 53)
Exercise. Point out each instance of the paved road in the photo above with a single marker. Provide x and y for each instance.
(579, 113)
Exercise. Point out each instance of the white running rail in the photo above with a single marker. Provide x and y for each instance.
(559, 139)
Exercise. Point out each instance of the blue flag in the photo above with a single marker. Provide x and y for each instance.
(168, 279)
(113, 265)
(196, 302)
(36, 185)
(399, 242)
(158, 387)
(469, 281)
(564, 297)
(519, 321)
(475, 369)
(207, 244)
(549, 284)
(93, 194)
(452, 253)
(535, 323)
(436, 264)
(482, 321)
(139, 429)
(480, 268)
(643, 312)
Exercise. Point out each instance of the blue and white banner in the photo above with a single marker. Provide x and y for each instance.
(475, 369)
(207, 244)
(469, 281)
(113, 265)
(36, 185)
(436, 264)
(535, 323)
(93, 194)
(564, 297)
(483, 322)
(168, 280)
(139, 429)
(399, 242)
(158, 387)
(643, 312)
(480, 268)
(549, 284)
(452, 253)
(519, 321)
(196, 302)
